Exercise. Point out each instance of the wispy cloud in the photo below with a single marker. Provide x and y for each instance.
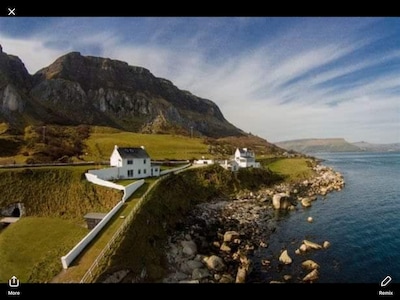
(279, 79)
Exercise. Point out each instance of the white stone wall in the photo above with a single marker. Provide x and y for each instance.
(174, 169)
(93, 178)
(67, 259)
(131, 188)
(128, 191)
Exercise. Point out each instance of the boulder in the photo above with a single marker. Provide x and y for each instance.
(312, 245)
(241, 275)
(312, 276)
(180, 276)
(326, 245)
(189, 248)
(309, 265)
(306, 201)
(297, 251)
(230, 236)
(281, 201)
(194, 264)
(227, 278)
(303, 248)
(224, 247)
(285, 258)
(246, 263)
(200, 274)
(216, 244)
(287, 277)
(214, 263)
(310, 219)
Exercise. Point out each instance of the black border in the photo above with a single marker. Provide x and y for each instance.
(202, 291)
(171, 9)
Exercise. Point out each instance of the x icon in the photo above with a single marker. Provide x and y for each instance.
(11, 11)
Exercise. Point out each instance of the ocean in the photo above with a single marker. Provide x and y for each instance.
(362, 223)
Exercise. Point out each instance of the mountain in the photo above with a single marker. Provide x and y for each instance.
(364, 146)
(318, 145)
(78, 89)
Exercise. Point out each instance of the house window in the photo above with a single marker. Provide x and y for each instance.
(130, 173)
(130, 162)
(144, 161)
(138, 171)
(144, 171)
(155, 170)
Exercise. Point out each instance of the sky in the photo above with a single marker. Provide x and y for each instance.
(280, 78)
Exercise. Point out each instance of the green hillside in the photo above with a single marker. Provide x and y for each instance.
(31, 248)
(55, 201)
(102, 140)
(318, 145)
(55, 192)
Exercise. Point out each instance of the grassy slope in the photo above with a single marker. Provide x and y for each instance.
(58, 198)
(293, 169)
(159, 146)
(31, 248)
(55, 192)
(82, 263)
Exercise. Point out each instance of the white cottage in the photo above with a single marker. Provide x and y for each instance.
(245, 158)
(133, 162)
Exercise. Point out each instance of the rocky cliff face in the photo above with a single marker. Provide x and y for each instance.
(78, 89)
(15, 84)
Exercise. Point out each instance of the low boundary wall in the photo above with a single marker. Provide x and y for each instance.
(128, 191)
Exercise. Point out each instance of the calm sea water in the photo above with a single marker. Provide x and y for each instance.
(362, 222)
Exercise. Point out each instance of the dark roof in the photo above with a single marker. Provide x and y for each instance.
(133, 152)
(244, 153)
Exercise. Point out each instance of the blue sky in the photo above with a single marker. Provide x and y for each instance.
(278, 78)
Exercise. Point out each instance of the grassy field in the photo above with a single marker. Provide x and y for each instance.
(55, 200)
(55, 192)
(100, 144)
(83, 262)
(31, 248)
(293, 169)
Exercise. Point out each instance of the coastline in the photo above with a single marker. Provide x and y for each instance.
(216, 243)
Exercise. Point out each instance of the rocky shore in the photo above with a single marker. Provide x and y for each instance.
(217, 241)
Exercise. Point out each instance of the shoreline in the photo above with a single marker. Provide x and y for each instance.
(217, 241)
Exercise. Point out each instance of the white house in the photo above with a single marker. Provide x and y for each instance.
(245, 158)
(128, 163)
(230, 165)
(133, 162)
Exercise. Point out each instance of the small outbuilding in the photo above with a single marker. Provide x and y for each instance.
(92, 219)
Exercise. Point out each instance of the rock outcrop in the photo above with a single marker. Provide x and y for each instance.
(78, 89)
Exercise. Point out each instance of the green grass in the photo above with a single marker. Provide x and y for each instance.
(293, 169)
(55, 192)
(32, 247)
(83, 262)
(159, 146)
